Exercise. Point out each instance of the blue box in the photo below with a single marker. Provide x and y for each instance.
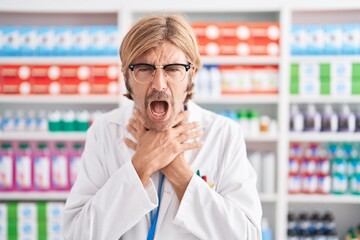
(113, 41)
(46, 41)
(64, 41)
(98, 36)
(28, 41)
(334, 39)
(11, 43)
(298, 40)
(351, 44)
(81, 40)
(316, 40)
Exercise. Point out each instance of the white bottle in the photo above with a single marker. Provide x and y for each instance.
(312, 119)
(215, 82)
(329, 120)
(296, 119)
(346, 119)
(268, 173)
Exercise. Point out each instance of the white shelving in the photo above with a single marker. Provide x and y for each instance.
(43, 136)
(324, 137)
(324, 99)
(261, 60)
(34, 196)
(336, 199)
(239, 99)
(60, 60)
(72, 99)
(124, 15)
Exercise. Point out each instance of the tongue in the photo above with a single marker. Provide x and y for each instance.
(158, 107)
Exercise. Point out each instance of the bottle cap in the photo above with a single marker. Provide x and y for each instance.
(6, 145)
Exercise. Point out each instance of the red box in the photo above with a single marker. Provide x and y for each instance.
(209, 30)
(15, 79)
(105, 79)
(45, 79)
(266, 30)
(208, 47)
(75, 79)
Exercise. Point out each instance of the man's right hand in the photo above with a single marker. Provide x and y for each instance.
(155, 150)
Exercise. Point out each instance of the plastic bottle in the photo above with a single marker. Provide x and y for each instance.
(346, 119)
(23, 167)
(60, 168)
(8, 121)
(30, 121)
(215, 81)
(265, 229)
(42, 167)
(292, 223)
(312, 119)
(41, 121)
(254, 123)
(75, 161)
(357, 120)
(244, 122)
(268, 173)
(19, 124)
(329, 120)
(54, 121)
(82, 120)
(6, 167)
(296, 119)
(68, 121)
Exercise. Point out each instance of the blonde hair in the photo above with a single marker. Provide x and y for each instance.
(150, 32)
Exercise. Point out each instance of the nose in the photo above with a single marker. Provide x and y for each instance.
(159, 82)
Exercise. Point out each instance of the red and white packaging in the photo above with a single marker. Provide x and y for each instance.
(45, 79)
(105, 79)
(235, 80)
(15, 79)
(75, 79)
(265, 79)
(207, 30)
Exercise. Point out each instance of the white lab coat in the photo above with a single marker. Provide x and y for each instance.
(108, 200)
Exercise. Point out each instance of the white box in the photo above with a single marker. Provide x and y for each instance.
(27, 230)
(64, 41)
(340, 86)
(310, 87)
(340, 69)
(309, 70)
(46, 39)
(27, 212)
(28, 41)
(316, 40)
(54, 210)
(334, 39)
(351, 39)
(298, 40)
(54, 228)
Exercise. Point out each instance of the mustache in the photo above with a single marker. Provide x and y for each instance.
(158, 95)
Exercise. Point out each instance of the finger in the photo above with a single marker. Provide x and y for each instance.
(181, 118)
(192, 145)
(132, 131)
(139, 117)
(130, 144)
(186, 127)
(189, 135)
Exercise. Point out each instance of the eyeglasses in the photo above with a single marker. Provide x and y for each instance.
(144, 73)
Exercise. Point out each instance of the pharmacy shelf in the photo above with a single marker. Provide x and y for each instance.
(34, 196)
(323, 5)
(239, 99)
(42, 136)
(33, 60)
(234, 60)
(324, 137)
(268, 198)
(316, 198)
(325, 58)
(262, 138)
(71, 99)
(324, 99)
(65, 6)
(201, 6)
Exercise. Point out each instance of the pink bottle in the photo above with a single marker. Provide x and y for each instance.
(42, 166)
(6, 167)
(75, 161)
(60, 168)
(23, 167)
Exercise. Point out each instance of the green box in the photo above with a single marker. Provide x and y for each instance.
(294, 70)
(356, 70)
(324, 88)
(324, 70)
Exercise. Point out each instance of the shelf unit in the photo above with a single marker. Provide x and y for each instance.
(285, 12)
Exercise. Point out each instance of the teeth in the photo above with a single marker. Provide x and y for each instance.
(158, 114)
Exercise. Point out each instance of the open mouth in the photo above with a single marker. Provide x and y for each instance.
(159, 110)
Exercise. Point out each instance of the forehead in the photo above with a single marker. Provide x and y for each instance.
(164, 53)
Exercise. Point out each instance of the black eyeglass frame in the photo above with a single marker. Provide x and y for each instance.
(187, 66)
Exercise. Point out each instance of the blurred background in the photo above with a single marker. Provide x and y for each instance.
(287, 71)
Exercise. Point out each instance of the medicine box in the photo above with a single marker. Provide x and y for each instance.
(11, 41)
(316, 40)
(334, 39)
(46, 41)
(64, 41)
(351, 38)
(299, 40)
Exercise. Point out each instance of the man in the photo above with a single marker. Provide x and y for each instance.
(161, 167)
